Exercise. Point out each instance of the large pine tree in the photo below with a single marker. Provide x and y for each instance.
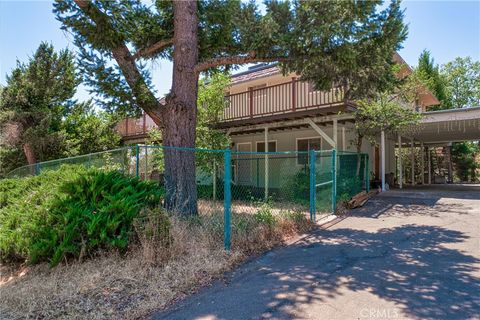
(343, 42)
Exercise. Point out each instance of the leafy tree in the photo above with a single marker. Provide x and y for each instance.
(342, 42)
(382, 114)
(464, 156)
(36, 97)
(88, 131)
(211, 102)
(462, 80)
(430, 74)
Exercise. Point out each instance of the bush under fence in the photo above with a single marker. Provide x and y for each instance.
(228, 182)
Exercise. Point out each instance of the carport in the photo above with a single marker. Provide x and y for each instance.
(437, 129)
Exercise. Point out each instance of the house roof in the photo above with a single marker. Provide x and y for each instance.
(255, 72)
(267, 69)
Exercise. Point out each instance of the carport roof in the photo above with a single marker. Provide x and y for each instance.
(449, 126)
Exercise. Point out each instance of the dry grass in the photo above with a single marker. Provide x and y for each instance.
(156, 271)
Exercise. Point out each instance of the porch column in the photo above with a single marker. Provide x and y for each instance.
(266, 164)
(400, 170)
(344, 147)
(429, 166)
(412, 147)
(422, 162)
(382, 170)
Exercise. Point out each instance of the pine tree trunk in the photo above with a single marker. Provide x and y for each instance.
(179, 115)
(29, 154)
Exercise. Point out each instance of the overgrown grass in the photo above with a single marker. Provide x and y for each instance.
(158, 268)
(140, 258)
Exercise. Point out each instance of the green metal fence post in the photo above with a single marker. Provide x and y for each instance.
(313, 209)
(37, 169)
(227, 198)
(145, 177)
(334, 180)
(137, 161)
(367, 174)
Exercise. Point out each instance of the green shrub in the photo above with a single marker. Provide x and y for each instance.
(348, 186)
(71, 212)
(265, 216)
(297, 187)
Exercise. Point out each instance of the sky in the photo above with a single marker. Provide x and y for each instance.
(448, 29)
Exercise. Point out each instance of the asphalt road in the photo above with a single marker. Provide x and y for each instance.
(406, 255)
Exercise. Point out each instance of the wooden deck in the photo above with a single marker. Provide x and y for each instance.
(288, 100)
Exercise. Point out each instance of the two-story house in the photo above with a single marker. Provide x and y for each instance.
(264, 105)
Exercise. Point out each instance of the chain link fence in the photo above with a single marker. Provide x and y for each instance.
(232, 184)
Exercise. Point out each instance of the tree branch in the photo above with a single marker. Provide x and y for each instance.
(222, 61)
(142, 93)
(149, 51)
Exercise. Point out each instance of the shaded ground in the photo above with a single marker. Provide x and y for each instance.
(410, 254)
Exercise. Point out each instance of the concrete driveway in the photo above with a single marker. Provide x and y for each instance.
(411, 254)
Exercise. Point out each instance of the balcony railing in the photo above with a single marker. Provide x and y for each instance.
(132, 127)
(284, 98)
(278, 99)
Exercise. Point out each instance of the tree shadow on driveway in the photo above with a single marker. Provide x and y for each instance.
(409, 266)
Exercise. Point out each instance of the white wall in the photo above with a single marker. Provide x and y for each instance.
(287, 141)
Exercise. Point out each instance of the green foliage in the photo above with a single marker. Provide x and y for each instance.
(87, 131)
(431, 76)
(296, 217)
(211, 103)
(349, 185)
(265, 216)
(464, 156)
(297, 187)
(36, 97)
(462, 81)
(383, 114)
(327, 42)
(71, 212)
(37, 108)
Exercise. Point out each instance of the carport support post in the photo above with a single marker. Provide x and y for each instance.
(382, 170)
(400, 169)
(422, 162)
(266, 163)
(367, 173)
(413, 161)
(429, 166)
(334, 181)
(312, 185)
(227, 198)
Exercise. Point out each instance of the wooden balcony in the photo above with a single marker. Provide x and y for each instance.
(282, 101)
(132, 128)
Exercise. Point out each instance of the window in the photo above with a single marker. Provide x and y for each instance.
(272, 146)
(307, 145)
